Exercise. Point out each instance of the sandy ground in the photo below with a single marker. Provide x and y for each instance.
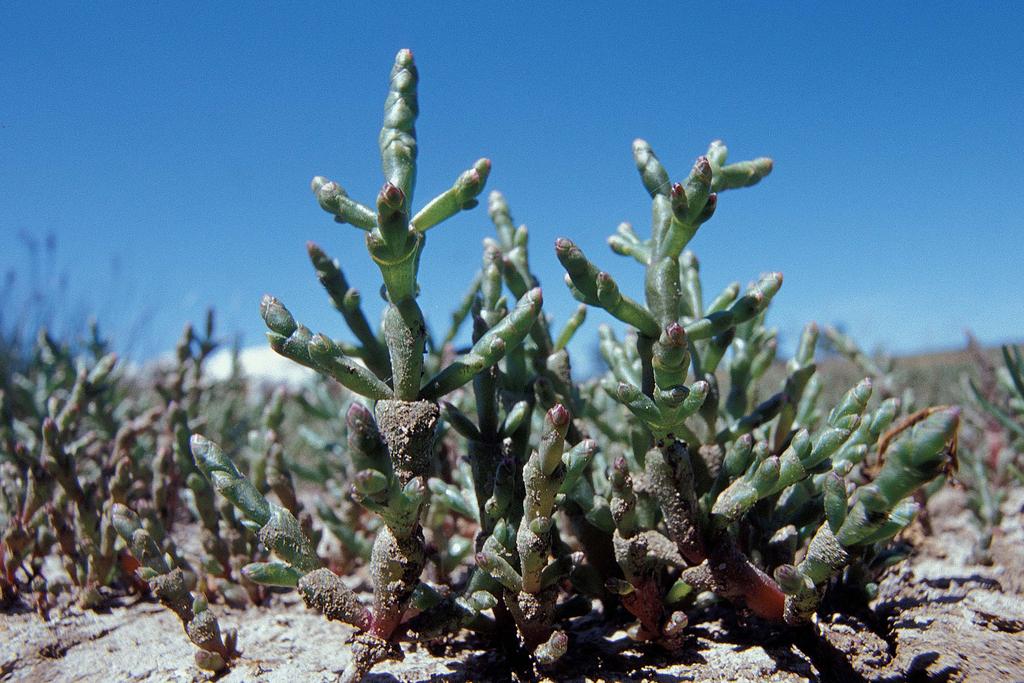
(938, 617)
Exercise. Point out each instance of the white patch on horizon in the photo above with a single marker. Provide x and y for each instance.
(259, 363)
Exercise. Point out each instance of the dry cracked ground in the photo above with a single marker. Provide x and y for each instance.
(938, 617)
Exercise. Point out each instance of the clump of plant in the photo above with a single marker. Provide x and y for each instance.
(89, 452)
(63, 448)
(677, 474)
(765, 498)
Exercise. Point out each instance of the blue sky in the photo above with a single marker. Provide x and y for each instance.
(179, 141)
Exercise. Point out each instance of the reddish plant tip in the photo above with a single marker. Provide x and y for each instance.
(703, 168)
(620, 465)
(678, 191)
(558, 415)
(391, 196)
(712, 202)
(676, 334)
(563, 245)
(677, 393)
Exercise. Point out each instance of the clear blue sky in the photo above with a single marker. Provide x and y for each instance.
(180, 141)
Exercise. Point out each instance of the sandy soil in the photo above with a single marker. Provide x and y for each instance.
(937, 617)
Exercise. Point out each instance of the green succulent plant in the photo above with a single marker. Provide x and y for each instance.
(485, 489)
(648, 487)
